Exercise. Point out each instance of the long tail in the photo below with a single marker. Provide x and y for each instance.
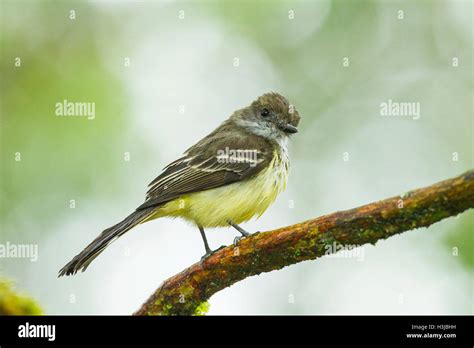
(86, 256)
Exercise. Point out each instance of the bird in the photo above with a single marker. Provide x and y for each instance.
(228, 177)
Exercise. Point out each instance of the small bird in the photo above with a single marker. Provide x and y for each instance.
(232, 175)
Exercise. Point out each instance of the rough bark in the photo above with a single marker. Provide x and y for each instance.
(187, 292)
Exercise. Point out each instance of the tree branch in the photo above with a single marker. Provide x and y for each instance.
(187, 292)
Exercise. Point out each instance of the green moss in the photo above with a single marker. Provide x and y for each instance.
(161, 308)
(202, 309)
(12, 303)
(174, 303)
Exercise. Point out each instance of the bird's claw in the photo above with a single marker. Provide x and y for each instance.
(211, 252)
(237, 239)
(205, 256)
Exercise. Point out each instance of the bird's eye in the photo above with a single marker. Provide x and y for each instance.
(265, 112)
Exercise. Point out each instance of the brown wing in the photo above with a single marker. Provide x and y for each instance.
(223, 157)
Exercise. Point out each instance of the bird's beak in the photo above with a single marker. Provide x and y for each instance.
(288, 128)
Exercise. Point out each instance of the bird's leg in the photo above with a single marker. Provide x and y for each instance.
(206, 245)
(243, 232)
(209, 252)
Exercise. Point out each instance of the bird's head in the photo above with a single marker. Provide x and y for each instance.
(270, 116)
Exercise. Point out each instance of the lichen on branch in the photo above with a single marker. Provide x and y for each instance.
(187, 292)
(14, 303)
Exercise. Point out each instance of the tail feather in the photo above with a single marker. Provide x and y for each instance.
(85, 257)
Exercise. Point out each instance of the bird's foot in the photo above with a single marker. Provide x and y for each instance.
(238, 238)
(247, 234)
(211, 252)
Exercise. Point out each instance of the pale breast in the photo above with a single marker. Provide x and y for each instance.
(239, 201)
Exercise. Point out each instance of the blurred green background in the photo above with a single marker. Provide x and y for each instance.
(162, 74)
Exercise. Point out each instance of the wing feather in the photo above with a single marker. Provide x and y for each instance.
(201, 169)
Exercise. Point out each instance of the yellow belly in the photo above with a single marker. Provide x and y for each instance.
(238, 202)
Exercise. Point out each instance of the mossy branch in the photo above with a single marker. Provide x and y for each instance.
(187, 292)
(13, 302)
